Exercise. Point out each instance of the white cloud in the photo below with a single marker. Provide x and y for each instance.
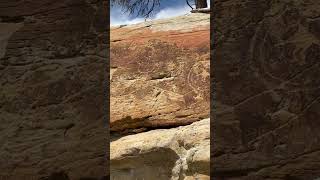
(117, 17)
(120, 21)
(171, 12)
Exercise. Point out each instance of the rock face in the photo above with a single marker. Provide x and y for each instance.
(181, 153)
(160, 80)
(266, 83)
(160, 73)
(52, 66)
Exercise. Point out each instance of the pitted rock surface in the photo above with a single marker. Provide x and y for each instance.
(160, 73)
(181, 153)
(52, 67)
(266, 84)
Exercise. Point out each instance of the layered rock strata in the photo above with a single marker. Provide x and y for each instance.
(159, 81)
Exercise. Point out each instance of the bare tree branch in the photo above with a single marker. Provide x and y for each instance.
(143, 8)
(146, 8)
(189, 5)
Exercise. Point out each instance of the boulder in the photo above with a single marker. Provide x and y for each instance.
(181, 153)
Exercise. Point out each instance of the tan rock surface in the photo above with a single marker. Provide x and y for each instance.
(163, 154)
(160, 73)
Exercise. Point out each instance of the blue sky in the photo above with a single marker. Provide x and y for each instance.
(168, 8)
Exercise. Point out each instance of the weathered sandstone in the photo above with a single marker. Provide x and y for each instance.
(266, 82)
(160, 73)
(181, 153)
(160, 80)
(52, 66)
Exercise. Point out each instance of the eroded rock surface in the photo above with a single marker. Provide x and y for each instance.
(181, 153)
(266, 83)
(160, 73)
(159, 81)
(52, 66)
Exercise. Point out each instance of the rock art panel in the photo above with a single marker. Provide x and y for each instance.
(160, 73)
(267, 90)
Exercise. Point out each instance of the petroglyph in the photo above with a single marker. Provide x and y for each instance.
(160, 74)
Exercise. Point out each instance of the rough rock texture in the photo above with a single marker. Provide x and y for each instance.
(160, 73)
(160, 80)
(52, 67)
(266, 71)
(181, 153)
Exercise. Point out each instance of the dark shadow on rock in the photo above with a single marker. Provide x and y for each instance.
(57, 176)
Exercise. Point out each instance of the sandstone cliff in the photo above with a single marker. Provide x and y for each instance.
(266, 83)
(159, 81)
(52, 66)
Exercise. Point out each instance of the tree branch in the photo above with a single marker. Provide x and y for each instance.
(189, 5)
